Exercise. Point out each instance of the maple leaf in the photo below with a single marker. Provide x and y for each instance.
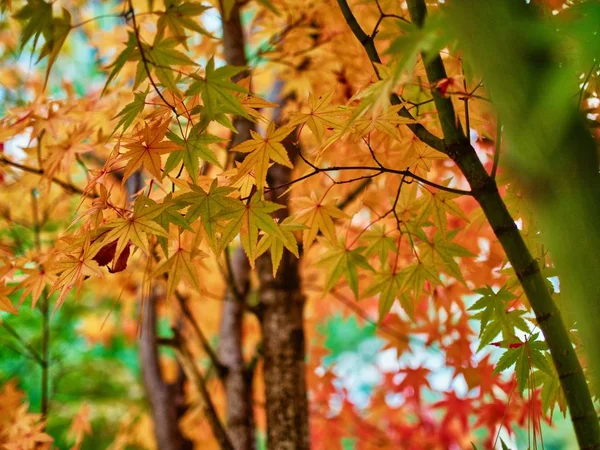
(317, 216)
(39, 21)
(414, 380)
(80, 426)
(526, 356)
(438, 204)
(385, 120)
(131, 111)
(551, 391)
(206, 206)
(494, 316)
(6, 303)
(320, 117)
(379, 243)
(339, 261)
(62, 154)
(261, 152)
(415, 275)
(147, 150)
(136, 227)
(275, 244)
(128, 54)
(178, 16)
(160, 56)
(181, 264)
(441, 252)
(74, 267)
(26, 430)
(193, 148)
(37, 279)
(216, 90)
(247, 219)
(387, 285)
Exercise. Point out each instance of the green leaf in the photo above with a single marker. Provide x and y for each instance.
(206, 206)
(339, 261)
(246, 220)
(195, 147)
(128, 54)
(215, 89)
(276, 245)
(160, 57)
(131, 111)
(493, 312)
(387, 285)
(178, 16)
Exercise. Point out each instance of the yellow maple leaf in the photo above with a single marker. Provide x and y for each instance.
(320, 117)
(317, 216)
(180, 265)
(147, 149)
(262, 150)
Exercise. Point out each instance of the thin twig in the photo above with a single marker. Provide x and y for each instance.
(407, 173)
(34, 354)
(218, 429)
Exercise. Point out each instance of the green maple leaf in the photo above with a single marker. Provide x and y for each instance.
(195, 147)
(38, 21)
(275, 244)
(206, 206)
(379, 243)
(339, 261)
(494, 316)
(387, 285)
(246, 219)
(167, 216)
(37, 15)
(180, 265)
(160, 56)
(216, 91)
(178, 16)
(136, 227)
(415, 275)
(129, 53)
(131, 111)
(441, 251)
(525, 355)
(437, 204)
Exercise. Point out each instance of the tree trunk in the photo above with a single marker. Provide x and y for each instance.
(280, 313)
(167, 401)
(237, 379)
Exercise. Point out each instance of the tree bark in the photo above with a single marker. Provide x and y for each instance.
(280, 312)
(167, 401)
(237, 379)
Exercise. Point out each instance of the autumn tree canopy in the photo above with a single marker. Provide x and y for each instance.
(299, 224)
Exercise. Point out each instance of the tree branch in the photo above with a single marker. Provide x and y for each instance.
(369, 45)
(187, 362)
(64, 184)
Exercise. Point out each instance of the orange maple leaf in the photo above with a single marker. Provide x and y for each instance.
(147, 149)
